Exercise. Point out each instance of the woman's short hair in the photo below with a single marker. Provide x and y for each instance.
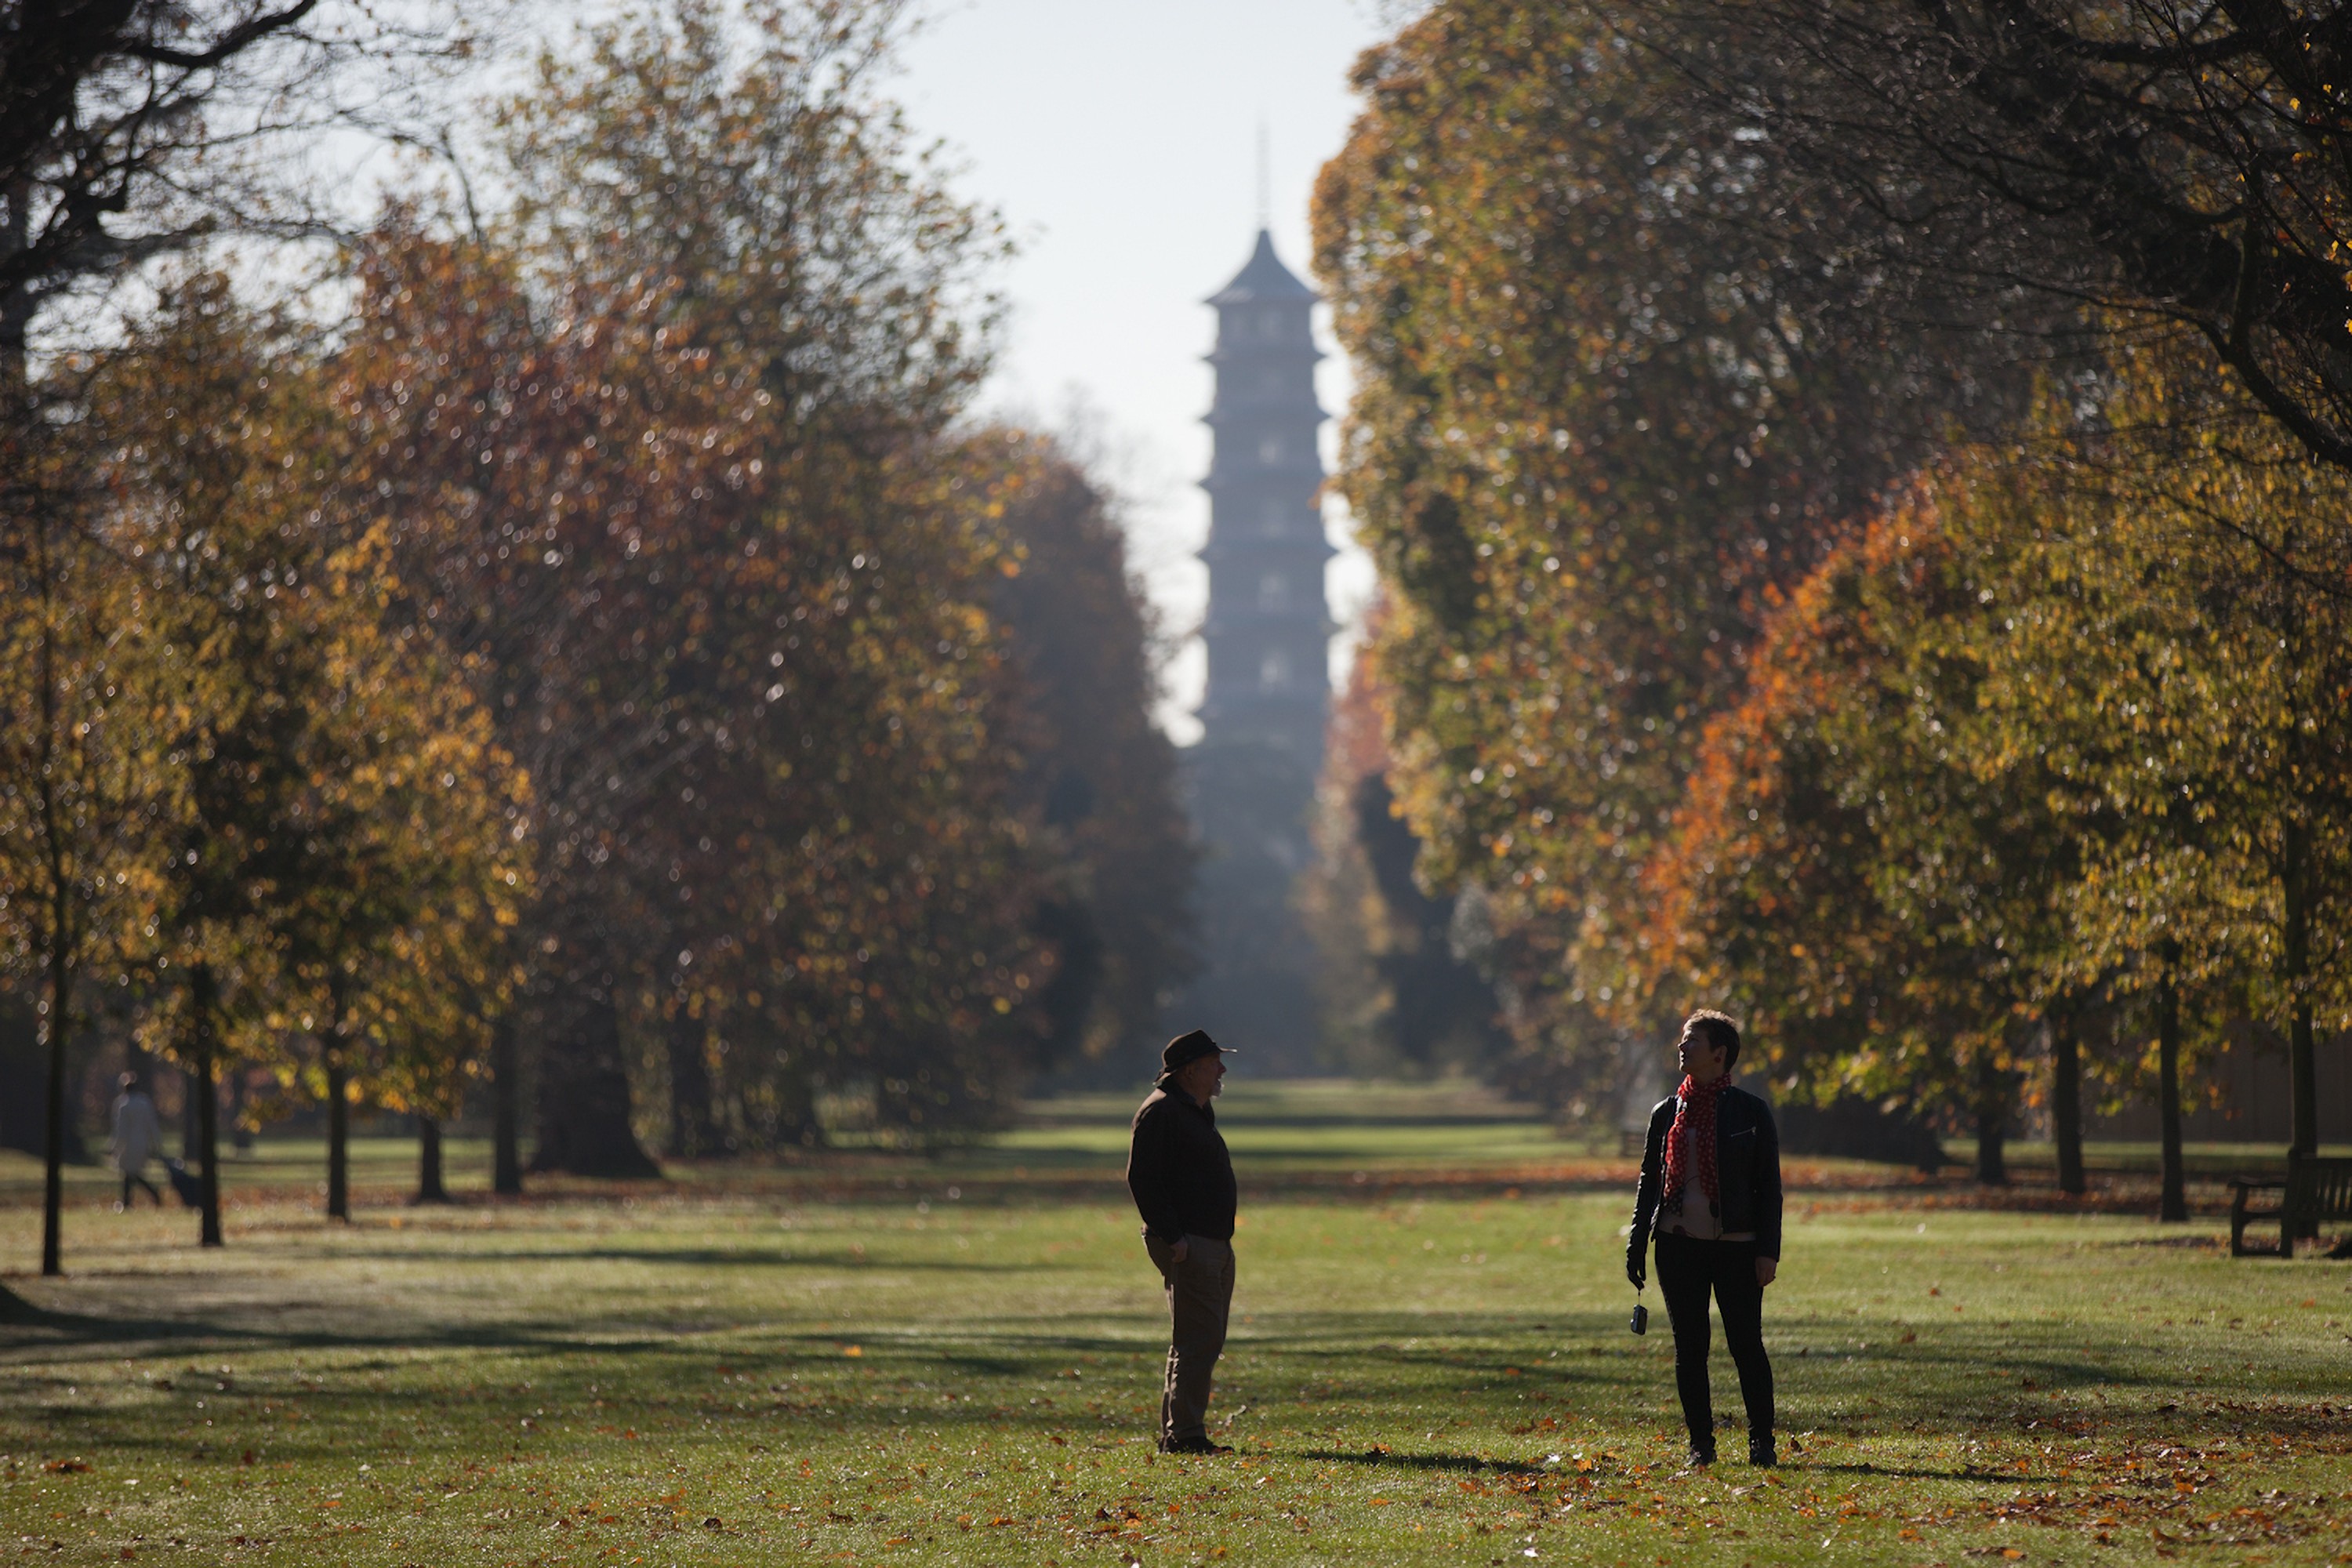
(1720, 1031)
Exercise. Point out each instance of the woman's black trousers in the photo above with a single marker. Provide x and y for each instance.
(1687, 1272)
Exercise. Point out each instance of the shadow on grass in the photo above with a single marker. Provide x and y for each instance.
(1383, 1458)
(1900, 1472)
(1008, 1355)
(686, 1257)
(83, 1330)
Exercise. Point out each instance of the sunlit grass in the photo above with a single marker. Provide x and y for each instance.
(942, 1361)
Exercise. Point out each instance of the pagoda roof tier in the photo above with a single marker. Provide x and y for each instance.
(1282, 714)
(1226, 410)
(1258, 620)
(1242, 546)
(1240, 475)
(1289, 350)
(1263, 280)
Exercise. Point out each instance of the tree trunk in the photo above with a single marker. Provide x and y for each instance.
(429, 1187)
(2304, 1075)
(2066, 1098)
(53, 1174)
(17, 306)
(207, 1095)
(2174, 1205)
(192, 1135)
(338, 1137)
(24, 1083)
(58, 896)
(506, 1110)
(690, 1122)
(240, 1135)
(584, 1094)
(1993, 1123)
(2302, 1070)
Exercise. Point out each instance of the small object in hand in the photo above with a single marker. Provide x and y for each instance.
(1641, 1324)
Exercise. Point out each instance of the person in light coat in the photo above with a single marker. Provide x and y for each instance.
(137, 1131)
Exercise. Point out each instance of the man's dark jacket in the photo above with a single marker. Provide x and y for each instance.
(1178, 1169)
(1747, 1168)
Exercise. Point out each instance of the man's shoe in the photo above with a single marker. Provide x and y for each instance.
(1698, 1458)
(1193, 1446)
(1761, 1454)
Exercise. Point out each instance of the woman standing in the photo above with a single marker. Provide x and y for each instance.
(1711, 1193)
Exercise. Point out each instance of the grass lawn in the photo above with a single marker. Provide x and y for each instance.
(892, 1359)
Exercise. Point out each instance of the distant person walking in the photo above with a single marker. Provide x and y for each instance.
(1182, 1180)
(1711, 1193)
(137, 1131)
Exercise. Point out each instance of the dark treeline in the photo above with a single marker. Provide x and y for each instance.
(600, 675)
(1859, 494)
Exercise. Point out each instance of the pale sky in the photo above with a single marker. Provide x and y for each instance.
(1118, 139)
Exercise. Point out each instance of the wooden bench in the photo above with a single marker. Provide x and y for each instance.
(2318, 1191)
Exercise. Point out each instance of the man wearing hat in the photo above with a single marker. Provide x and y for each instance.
(1182, 1180)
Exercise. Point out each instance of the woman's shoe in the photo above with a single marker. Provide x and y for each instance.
(1698, 1458)
(1760, 1452)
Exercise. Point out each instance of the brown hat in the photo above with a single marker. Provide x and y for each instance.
(1189, 1047)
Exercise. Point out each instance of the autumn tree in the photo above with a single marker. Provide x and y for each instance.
(1882, 902)
(2184, 163)
(1597, 419)
(1097, 774)
(494, 442)
(668, 452)
(339, 840)
(878, 926)
(1397, 987)
(79, 769)
(131, 130)
(415, 861)
(2056, 734)
(2173, 634)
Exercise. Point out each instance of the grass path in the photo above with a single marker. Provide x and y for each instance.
(814, 1367)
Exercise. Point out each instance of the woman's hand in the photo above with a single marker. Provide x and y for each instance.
(1767, 1269)
(1182, 1250)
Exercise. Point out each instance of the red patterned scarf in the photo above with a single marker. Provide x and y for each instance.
(1695, 1111)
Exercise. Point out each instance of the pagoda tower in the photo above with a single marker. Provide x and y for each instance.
(1251, 777)
(1267, 628)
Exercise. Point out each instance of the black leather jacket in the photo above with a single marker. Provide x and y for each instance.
(1747, 1168)
(1178, 1171)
